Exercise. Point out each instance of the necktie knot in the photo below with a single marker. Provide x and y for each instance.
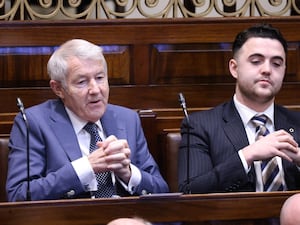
(92, 129)
(259, 122)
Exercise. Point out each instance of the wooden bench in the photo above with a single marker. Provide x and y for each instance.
(205, 209)
(149, 61)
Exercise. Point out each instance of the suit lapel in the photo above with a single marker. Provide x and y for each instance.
(111, 124)
(233, 127)
(235, 131)
(63, 129)
(282, 122)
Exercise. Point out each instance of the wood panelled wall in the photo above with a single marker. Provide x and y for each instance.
(149, 62)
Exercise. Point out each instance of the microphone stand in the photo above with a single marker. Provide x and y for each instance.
(21, 107)
(183, 106)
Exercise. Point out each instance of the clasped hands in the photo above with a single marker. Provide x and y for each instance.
(112, 155)
(279, 143)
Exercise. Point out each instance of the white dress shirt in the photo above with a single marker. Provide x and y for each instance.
(246, 115)
(83, 167)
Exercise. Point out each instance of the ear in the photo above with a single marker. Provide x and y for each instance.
(57, 88)
(233, 67)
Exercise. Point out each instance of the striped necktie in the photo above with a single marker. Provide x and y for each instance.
(270, 171)
(105, 185)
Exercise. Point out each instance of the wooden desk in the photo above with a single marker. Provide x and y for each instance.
(236, 208)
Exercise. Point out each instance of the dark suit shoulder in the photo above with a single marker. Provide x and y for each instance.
(282, 114)
(215, 112)
(208, 119)
(285, 110)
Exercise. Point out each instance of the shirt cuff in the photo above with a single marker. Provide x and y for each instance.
(244, 162)
(85, 173)
(134, 181)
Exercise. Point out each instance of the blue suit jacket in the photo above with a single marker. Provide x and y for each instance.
(216, 136)
(54, 145)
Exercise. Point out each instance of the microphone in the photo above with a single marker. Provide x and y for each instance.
(186, 115)
(183, 106)
(22, 110)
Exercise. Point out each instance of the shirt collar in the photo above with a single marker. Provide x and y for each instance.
(246, 113)
(77, 123)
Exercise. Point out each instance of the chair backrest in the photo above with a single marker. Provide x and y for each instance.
(172, 146)
(3, 167)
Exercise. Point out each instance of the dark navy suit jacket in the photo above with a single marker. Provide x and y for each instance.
(54, 145)
(216, 136)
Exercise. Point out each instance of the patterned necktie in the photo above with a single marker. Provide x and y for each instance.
(105, 185)
(270, 170)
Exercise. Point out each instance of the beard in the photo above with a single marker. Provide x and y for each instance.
(256, 94)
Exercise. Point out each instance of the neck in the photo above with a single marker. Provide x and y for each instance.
(256, 105)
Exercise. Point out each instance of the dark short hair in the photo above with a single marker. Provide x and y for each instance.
(259, 31)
